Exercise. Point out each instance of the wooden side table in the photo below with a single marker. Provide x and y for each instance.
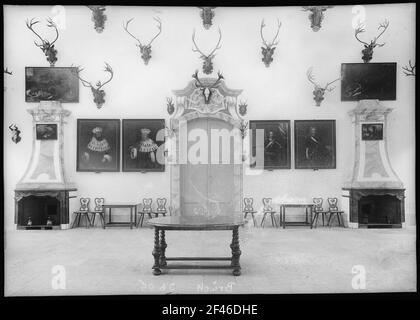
(111, 206)
(308, 214)
(179, 223)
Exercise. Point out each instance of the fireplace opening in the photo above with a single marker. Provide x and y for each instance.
(36, 212)
(376, 211)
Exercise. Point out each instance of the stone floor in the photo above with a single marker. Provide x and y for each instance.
(294, 260)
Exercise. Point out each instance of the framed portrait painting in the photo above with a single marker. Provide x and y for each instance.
(143, 145)
(315, 144)
(47, 83)
(98, 145)
(270, 144)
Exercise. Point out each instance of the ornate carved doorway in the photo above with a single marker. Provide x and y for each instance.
(206, 152)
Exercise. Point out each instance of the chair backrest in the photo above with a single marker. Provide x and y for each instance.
(248, 204)
(161, 204)
(84, 204)
(99, 202)
(267, 202)
(318, 204)
(332, 202)
(147, 204)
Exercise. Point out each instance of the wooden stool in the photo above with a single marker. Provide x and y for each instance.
(83, 211)
(268, 209)
(249, 209)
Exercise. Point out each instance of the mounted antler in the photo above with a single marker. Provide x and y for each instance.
(409, 70)
(146, 49)
(207, 58)
(15, 133)
(170, 107)
(98, 17)
(318, 90)
(46, 46)
(7, 71)
(367, 52)
(207, 90)
(207, 14)
(316, 16)
(268, 49)
(96, 89)
(243, 105)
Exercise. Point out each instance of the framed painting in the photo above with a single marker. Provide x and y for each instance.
(46, 131)
(270, 144)
(98, 145)
(143, 145)
(315, 144)
(51, 83)
(372, 131)
(368, 81)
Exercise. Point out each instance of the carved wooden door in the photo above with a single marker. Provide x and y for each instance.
(207, 185)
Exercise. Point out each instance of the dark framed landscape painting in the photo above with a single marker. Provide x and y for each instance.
(315, 144)
(271, 148)
(98, 145)
(143, 145)
(372, 131)
(51, 84)
(46, 131)
(368, 81)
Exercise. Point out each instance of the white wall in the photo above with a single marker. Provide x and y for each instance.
(279, 92)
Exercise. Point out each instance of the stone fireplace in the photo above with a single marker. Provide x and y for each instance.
(376, 193)
(42, 195)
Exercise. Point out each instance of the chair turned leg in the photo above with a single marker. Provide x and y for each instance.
(315, 219)
(262, 220)
(87, 219)
(329, 220)
(253, 219)
(93, 219)
(75, 220)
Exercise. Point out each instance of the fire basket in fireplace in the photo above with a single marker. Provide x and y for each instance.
(375, 191)
(42, 195)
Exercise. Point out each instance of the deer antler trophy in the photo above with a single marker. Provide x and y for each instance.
(207, 14)
(98, 17)
(268, 49)
(207, 58)
(409, 70)
(98, 93)
(318, 90)
(367, 52)
(145, 49)
(46, 46)
(316, 16)
(207, 90)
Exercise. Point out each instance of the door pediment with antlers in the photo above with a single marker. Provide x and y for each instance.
(206, 96)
